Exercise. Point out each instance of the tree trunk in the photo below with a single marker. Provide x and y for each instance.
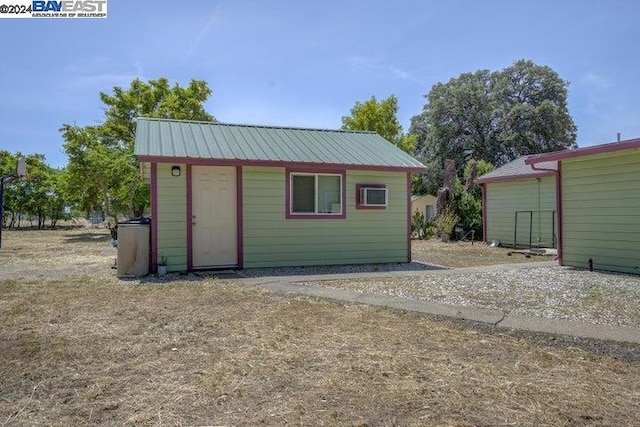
(449, 174)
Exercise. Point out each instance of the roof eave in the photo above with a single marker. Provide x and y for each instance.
(514, 177)
(610, 147)
(277, 163)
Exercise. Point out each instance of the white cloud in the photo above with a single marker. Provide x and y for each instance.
(99, 81)
(356, 61)
(363, 62)
(202, 34)
(100, 74)
(595, 80)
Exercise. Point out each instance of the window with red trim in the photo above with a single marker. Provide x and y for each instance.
(315, 195)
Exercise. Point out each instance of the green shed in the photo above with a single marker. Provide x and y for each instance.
(239, 196)
(519, 205)
(599, 209)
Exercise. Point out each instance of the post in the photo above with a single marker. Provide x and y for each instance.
(1, 207)
(530, 228)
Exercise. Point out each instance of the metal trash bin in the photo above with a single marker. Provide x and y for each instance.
(133, 247)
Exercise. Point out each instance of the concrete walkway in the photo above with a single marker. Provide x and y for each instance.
(298, 285)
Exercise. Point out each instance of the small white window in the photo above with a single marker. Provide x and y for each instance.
(373, 196)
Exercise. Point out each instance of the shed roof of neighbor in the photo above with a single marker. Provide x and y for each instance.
(163, 140)
(517, 169)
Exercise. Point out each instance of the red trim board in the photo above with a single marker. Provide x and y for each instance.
(319, 167)
(586, 151)
(189, 218)
(154, 217)
(239, 218)
(409, 192)
(483, 191)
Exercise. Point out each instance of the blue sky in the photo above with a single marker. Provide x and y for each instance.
(305, 63)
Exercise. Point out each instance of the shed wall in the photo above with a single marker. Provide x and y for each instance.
(425, 204)
(365, 236)
(171, 217)
(601, 211)
(505, 198)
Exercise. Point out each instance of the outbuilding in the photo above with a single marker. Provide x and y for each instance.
(239, 196)
(519, 205)
(425, 204)
(598, 205)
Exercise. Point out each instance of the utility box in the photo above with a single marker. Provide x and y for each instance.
(133, 248)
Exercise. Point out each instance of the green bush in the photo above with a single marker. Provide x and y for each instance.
(446, 220)
(420, 227)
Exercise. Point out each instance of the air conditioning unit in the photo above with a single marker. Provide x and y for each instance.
(373, 196)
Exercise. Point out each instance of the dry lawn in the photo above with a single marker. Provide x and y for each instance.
(465, 254)
(84, 349)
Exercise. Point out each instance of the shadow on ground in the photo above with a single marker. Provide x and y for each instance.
(338, 269)
(87, 238)
(281, 272)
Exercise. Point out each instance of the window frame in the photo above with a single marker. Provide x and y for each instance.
(360, 203)
(290, 173)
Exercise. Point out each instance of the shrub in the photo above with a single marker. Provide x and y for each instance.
(420, 227)
(446, 220)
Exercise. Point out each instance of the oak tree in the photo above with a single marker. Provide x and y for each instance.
(493, 116)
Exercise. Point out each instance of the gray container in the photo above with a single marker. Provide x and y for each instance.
(133, 249)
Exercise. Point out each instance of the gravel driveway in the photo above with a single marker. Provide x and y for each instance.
(550, 292)
(534, 289)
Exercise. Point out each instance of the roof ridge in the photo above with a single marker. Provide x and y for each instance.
(217, 123)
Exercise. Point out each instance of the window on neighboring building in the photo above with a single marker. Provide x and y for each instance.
(315, 194)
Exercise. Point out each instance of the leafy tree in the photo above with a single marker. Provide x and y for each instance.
(380, 117)
(494, 116)
(467, 196)
(152, 99)
(532, 113)
(56, 195)
(39, 197)
(430, 181)
(472, 170)
(102, 168)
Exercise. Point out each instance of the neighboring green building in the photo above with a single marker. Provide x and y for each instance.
(599, 190)
(242, 196)
(519, 205)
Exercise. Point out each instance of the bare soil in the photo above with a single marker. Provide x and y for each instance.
(80, 347)
(466, 254)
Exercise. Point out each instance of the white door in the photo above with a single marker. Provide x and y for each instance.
(214, 219)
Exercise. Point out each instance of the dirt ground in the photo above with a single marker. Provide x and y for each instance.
(80, 347)
(466, 254)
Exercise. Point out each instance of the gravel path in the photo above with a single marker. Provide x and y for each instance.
(548, 292)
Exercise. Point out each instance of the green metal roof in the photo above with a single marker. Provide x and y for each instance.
(517, 169)
(170, 140)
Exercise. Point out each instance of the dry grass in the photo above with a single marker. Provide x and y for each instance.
(465, 254)
(87, 349)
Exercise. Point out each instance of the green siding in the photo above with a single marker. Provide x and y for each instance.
(505, 198)
(365, 236)
(171, 217)
(601, 211)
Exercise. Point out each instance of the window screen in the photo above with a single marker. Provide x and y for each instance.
(303, 193)
(316, 194)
